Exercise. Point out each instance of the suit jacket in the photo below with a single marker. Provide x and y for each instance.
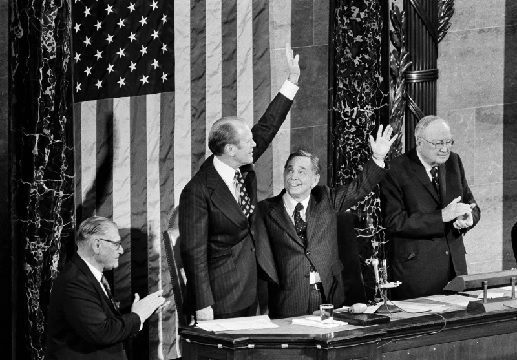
(217, 241)
(290, 297)
(426, 253)
(82, 322)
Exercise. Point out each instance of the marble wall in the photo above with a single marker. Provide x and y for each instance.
(477, 93)
(306, 27)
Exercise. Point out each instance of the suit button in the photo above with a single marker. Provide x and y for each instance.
(252, 249)
(307, 253)
(447, 252)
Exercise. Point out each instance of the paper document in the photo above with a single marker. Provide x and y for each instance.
(491, 295)
(240, 323)
(459, 300)
(315, 321)
(417, 307)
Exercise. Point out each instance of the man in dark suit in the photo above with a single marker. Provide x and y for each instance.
(217, 217)
(301, 227)
(427, 206)
(84, 321)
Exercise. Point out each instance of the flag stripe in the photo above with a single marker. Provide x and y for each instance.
(121, 198)
(245, 61)
(139, 238)
(154, 256)
(262, 89)
(198, 85)
(78, 193)
(88, 152)
(167, 124)
(104, 165)
(182, 97)
(213, 64)
(228, 25)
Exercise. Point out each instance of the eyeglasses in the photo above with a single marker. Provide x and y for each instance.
(440, 143)
(117, 244)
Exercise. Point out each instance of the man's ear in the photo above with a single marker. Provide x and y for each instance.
(316, 180)
(96, 246)
(229, 149)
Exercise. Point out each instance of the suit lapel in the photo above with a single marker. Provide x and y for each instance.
(421, 175)
(221, 196)
(279, 215)
(86, 270)
(312, 218)
(442, 174)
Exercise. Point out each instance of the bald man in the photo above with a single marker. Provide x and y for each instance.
(427, 206)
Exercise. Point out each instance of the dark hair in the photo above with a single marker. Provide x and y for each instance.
(95, 225)
(223, 132)
(315, 161)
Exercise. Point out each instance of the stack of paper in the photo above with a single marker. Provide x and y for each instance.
(315, 321)
(240, 323)
(417, 307)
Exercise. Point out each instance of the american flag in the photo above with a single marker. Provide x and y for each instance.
(139, 143)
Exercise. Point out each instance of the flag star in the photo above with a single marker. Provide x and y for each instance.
(77, 27)
(98, 25)
(86, 11)
(121, 23)
(132, 37)
(121, 82)
(109, 39)
(98, 55)
(87, 41)
(132, 66)
(143, 50)
(99, 84)
(154, 5)
(77, 87)
(110, 68)
(88, 70)
(164, 48)
(77, 57)
(154, 34)
(131, 7)
(143, 21)
(164, 77)
(164, 18)
(109, 9)
(144, 79)
(155, 64)
(120, 52)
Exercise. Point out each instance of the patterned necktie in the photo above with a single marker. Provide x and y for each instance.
(107, 288)
(299, 224)
(244, 199)
(436, 182)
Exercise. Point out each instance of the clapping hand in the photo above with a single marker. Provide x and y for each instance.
(381, 146)
(148, 305)
(292, 63)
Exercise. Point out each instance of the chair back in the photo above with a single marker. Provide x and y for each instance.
(178, 283)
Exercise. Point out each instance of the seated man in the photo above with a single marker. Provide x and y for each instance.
(84, 321)
(301, 226)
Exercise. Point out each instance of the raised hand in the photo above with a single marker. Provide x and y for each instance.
(292, 63)
(381, 146)
(147, 306)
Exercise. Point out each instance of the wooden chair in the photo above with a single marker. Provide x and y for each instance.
(178, 283)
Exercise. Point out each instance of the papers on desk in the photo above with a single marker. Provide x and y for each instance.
(240, 323)
(418, 307)
(315, 321)
(459, 300)
(491, 295)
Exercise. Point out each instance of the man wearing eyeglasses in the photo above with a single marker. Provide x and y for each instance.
(427, 207)
(84, 321)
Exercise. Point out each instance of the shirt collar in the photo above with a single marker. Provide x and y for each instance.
(290, 203)
(224, 170)
(426, 165)
(96, 273)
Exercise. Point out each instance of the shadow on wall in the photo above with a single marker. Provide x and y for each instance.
(510, 133)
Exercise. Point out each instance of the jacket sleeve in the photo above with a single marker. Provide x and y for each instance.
(266, 128)
(193, 225)
(347, 195)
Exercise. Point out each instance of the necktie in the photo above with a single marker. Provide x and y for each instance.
(107, 288)
(244, 199)
(436, 182)
(299, 224)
